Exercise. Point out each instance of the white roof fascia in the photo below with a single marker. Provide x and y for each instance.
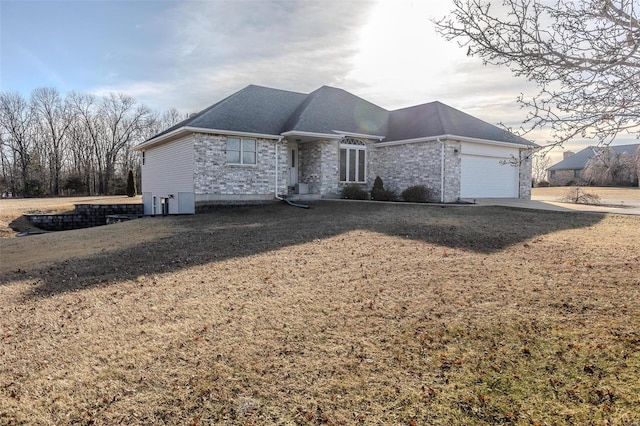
(311, 134)
(232, 133)
(358, 135)
(185, 129)
(457, 138)
(155, 141)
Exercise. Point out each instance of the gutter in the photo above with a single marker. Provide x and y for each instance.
(190, 129)
(441, 169)
(457, 138)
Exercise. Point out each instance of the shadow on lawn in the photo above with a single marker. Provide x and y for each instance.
(239, 232)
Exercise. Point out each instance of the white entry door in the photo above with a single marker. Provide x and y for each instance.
(293, 164)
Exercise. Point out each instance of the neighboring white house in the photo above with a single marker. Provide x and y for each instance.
(261, 143)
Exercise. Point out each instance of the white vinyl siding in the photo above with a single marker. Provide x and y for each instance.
(168, 173)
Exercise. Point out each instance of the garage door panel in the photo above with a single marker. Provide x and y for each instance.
(488, 177)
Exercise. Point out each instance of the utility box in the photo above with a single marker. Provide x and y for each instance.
(302, 188)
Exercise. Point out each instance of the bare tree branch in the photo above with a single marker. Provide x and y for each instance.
(583, 55)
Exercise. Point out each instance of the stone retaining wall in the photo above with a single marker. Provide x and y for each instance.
(83, 216)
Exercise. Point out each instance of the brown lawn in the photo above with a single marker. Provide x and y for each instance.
(605, 193)
(346, 313)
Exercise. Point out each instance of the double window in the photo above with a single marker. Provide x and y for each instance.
(353, 161)
(241, 151)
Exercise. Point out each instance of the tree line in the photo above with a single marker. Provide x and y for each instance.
(77, 144)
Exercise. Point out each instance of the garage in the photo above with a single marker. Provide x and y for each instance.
(485, 174)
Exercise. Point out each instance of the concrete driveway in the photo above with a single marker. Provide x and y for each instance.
(631, 207)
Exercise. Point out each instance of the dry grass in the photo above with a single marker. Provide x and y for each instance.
(608, 193)
(12, 209)
(347, 313)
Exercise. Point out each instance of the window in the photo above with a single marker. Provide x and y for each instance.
(241, 151)
(352, 161)
(143, 158)
(576, 173)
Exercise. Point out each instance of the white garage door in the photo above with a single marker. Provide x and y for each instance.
(486, 177)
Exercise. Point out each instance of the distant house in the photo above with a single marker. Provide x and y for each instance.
(262, 143)
(582, 167)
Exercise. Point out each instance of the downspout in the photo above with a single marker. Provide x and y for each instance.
(275, 191)
(441, 170)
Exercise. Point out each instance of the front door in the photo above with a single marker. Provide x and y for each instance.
(293, 164)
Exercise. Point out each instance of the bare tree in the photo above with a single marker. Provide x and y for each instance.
(123, 122)
(583, 55)
(540, 164)
(609, 167)
(17, 126)
(55, 119)
(88, 128)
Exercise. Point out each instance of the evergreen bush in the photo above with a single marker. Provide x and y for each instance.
(131, 184)
(378, 192)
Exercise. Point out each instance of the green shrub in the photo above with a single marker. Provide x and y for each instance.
(353, 192)
(416, 194)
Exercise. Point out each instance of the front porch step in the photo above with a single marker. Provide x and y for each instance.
(304, 197)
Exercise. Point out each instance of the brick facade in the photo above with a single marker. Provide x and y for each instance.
(319, 166)
(525, 174)
(215, 180)
(564, 177)
(402, 166)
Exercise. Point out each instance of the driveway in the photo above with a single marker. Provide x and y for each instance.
(547, 202)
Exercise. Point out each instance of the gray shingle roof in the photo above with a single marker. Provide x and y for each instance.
(436, 118)
(579, 160)
(263, 110)
(328, 109)
(254, 109)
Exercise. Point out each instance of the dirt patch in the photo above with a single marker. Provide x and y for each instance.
(346, 313)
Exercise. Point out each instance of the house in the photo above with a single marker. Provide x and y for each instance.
(599, 165)
(262, 143)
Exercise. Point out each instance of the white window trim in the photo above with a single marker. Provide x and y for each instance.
(359, 145)
(242, 163)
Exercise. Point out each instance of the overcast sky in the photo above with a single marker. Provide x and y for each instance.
(190, 54)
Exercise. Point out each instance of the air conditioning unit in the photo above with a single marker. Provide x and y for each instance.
(302, 188)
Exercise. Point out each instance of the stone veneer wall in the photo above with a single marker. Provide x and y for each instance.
(214, 180)
(84, 216)
(402, 166)
(319, 166)
(525, 174)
